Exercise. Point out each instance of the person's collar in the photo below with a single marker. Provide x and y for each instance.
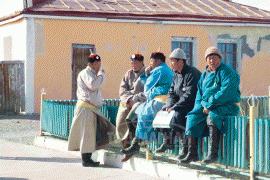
(142, 70)
(184, 70)
(92, 70)
(207, 68)
(162, 64)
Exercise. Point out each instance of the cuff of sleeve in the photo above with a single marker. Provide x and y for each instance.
(101, 73)
(207, 105)
(174, 107)
(135, 98)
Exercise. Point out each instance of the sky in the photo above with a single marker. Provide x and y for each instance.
(262, 4)
(15, 5)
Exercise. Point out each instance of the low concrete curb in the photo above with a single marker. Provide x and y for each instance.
(153, 167)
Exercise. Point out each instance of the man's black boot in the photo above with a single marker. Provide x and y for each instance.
(87, 161)
(214, 144)
(168, 143)
(184, 142)
(192, 154)
(134, 147)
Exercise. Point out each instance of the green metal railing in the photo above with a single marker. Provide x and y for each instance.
(57, 116)
(261, 101)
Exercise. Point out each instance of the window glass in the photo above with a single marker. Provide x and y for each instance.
(221, 47)
(230, 47)
(186, 47)
(230, 59)
(228, 51)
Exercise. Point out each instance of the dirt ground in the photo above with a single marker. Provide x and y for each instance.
(19, 128)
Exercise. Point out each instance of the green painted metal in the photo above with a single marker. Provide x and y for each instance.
(56, 117)
(262, 102)
(267, 146)
(262, 145)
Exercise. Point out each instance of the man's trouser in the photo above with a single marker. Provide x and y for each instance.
(125, 116)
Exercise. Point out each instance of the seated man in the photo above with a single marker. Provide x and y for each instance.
(217, 97)
(157, 81)
(131, 96)
(181, 99)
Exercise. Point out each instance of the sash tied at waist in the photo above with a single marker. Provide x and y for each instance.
(161, 98)
(87, 105)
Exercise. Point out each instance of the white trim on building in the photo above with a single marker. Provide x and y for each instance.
(149, 21)
(30, 66)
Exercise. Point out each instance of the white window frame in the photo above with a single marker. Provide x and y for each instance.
(194, 42)
(238, 51)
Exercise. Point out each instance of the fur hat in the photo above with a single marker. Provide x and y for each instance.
(138, 57)
(212, 50)
(93, 57)
(158, 55)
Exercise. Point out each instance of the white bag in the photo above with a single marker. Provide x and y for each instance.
(163, 119)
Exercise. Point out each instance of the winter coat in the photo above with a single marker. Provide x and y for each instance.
(158, 82)
(219, 92)
(182, 94)
(131, 88)
(90, 130)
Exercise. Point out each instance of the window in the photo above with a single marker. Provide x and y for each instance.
(187, 45)
(231, 52)
(228, 51)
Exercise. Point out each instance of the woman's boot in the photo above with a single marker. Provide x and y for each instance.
(134, 148)
(168, 143)
(214, 144)
(192, 150)
(87, 161)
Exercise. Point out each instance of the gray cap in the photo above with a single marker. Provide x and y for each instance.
(178, 54)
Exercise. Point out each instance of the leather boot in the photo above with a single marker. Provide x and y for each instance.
(184, 151)
(125, 143)
(214, 144)
(87, 161)
(126, 157)
(192, 150)
(131, 134)
(134, 148)
(168, 143)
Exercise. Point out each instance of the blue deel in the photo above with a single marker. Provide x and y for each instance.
(219, 92)
(158, 82)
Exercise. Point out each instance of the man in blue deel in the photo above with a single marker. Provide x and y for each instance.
(217, 97)
(157, 81)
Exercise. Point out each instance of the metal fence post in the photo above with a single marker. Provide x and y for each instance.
(148, 155)
(43, 97)
(253, 114)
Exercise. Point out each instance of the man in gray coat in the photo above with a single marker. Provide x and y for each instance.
(131, 96)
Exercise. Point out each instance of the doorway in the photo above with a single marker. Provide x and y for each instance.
(80, 53)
